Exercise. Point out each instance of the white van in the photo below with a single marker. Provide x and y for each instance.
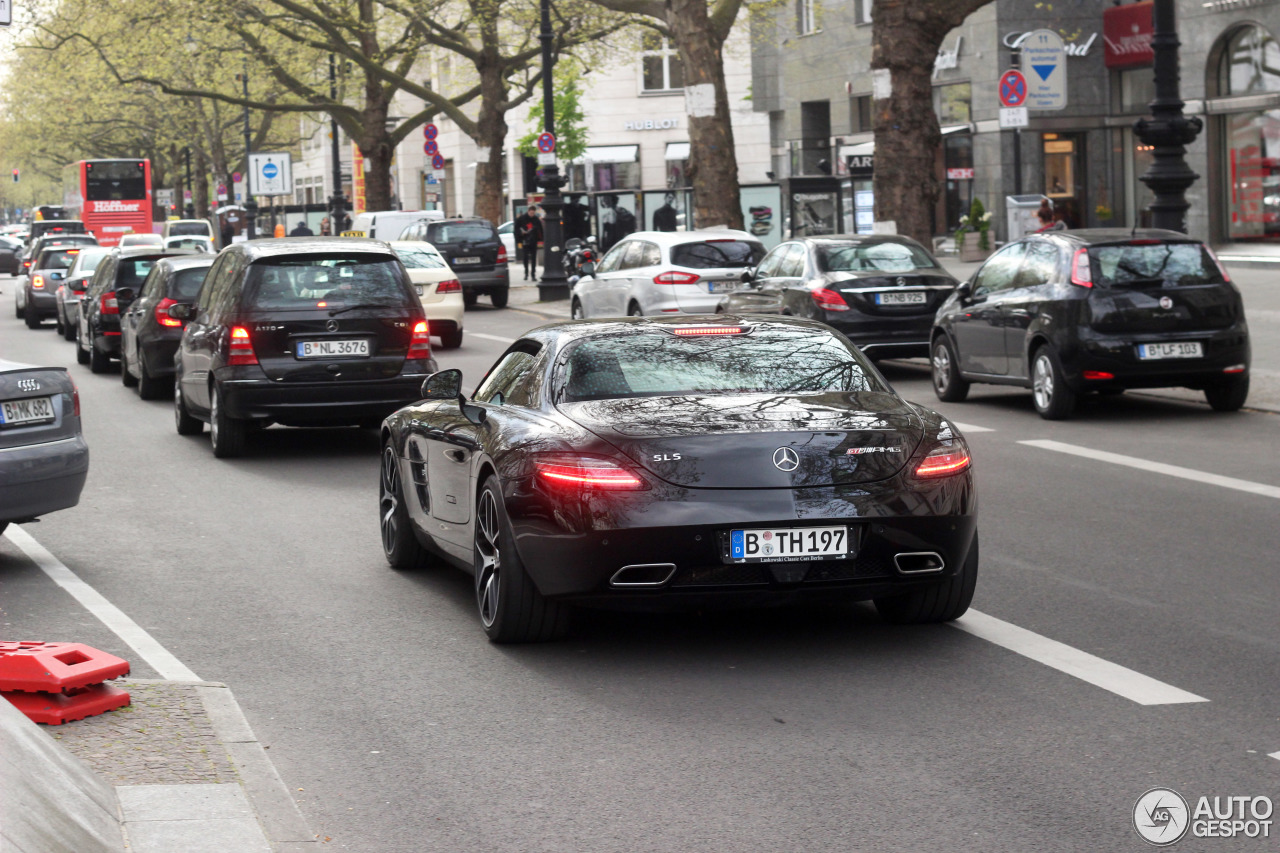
(187, 228)
(387, 224)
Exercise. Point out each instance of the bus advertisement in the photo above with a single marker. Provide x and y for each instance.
(111, 197)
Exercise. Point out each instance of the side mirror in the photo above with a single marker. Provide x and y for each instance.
(182, 311)
(748, 275)
(964, 289)
(57, 276)
(443, 385)
(125, 293)
(79, 285)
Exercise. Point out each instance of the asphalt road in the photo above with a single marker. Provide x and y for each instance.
(399, 728)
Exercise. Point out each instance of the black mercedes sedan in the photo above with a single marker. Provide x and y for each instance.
(148, 335)
(1065, 313)
(690, 460)
(881, 291)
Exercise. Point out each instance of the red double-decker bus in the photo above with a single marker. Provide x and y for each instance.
(111, 197)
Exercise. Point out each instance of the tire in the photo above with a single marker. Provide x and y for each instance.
(1053, 399)
(947, 383)
(149, 388)
(499, 298)
(3, 525)
(944, 601)
(58, 325)
(82, 357)
(182, 419)
(226, 434)
(399, 544)
(1228, 397)
(511, 608)
(469, 298)
(17, 309)
(451, 340)
(98, 362)
(32, 316)
(127, 379)
(576, 312)
(633, 310)
(69, 331)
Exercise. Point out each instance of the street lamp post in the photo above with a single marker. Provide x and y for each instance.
(337, 201)
(1168, 131)
(190, 206)
(250, 205)
(554, 284)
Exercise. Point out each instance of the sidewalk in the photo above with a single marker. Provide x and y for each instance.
(187, 771)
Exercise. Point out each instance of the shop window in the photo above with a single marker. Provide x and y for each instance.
(806, 21)
(1253, 175)
(613, 176)
(1250, 63)
(1137, 90)
(862, 11)
(860, 118)
(953, 103)
(662, 68)
(1059, 166)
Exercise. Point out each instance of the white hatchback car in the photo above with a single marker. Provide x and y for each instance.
(437, 287)
(663, 272)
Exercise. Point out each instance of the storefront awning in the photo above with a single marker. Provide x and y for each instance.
(677, 151)
(612, 154)
(861, 149)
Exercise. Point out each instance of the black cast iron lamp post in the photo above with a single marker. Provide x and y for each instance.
(554, 284)
(1168, 131)
(337, 201)
(250, 206)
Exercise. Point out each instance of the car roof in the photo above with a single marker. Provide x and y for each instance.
(273, 247)
(416, 245)
(565, 331)
(676, 238)
(152, 252)
(859, 239)
(186, 262)
(1098, 236)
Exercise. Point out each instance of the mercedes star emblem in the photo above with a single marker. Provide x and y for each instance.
(332, 325)
(902, 282)
(786, 459)
(1166, 303)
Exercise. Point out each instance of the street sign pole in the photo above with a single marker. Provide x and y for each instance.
(554, 284)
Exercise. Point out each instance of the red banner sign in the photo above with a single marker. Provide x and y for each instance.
(1126, 35)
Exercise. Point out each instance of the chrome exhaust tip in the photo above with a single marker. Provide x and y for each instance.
(643, 575)
(919, 563)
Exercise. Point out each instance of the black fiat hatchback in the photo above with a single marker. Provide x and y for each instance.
(302, 332)
(1069, 312)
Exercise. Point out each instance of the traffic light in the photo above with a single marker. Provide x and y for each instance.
(15, 176)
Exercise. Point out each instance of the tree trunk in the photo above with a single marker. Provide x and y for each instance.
(200, 171)
(905, 40)
(491, 134)
(713, 160)
(375, 145)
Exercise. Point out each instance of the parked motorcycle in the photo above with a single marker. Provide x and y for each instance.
(580, 257)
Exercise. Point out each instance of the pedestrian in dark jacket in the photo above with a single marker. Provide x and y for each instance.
(528, 228)
(301, 230)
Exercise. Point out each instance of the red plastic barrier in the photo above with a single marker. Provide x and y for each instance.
(55, 667)
(57, 708)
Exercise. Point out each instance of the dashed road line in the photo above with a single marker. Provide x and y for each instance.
(485, 337)
(1092, 669)
(1158, 468)
(971, 427)
(148, 648)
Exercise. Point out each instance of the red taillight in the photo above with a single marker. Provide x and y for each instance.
(450, 286)
(420, 343)
(1235, 368)
(676, 278)
(162, 313)
(502, 254)
(75, 398)
(37, 282)
(73, 251)
(587, 256)
(1081, 275)
(699, 331)
(574, 472)
(1098, 374)
(26, 265)
(107, 303)
(943, 462)
(240, 348)
(1221, 268)
(829, 299)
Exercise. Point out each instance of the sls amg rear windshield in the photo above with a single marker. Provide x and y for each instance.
(661, 364)
(1146, 263)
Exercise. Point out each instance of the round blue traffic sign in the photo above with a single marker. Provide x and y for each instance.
(269, 171)
(437, 162)
(546, 143)
(1013, 88)
(431, 148)
(430, 131)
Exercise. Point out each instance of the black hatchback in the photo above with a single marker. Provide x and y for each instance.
(148, 335)
(1069, 312)
(112, 289)
(880, 291)
(301, 331)
(474, 252)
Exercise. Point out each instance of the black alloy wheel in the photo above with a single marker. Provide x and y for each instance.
(401, 547)
(149, 387)
(947, 383)
(98, 360)
(182, 419)
(226, 434)
(511, 608)
(1229, 396)
(944, 601)
(1054, 400)
(82, 357)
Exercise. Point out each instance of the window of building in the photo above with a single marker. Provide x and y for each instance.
(1137, 90)
(806, 21)
(860, 119)
(662, 69)
(1250, 63)
(953, 103)
(1059, 166)
(862, 11)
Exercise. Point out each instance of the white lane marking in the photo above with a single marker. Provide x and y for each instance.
(1089, 668)
(972, 427)
(1159, 468)
(1275, 755)
(492, 338)
(157, 656)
